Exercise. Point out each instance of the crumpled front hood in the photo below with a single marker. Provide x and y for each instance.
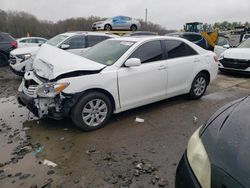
(52, 62)
(237, 53)
(26, 50)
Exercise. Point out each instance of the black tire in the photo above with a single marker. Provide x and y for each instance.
(198, 83)
(133, 28)
(77, 113)
(108, 27)
(3, 60)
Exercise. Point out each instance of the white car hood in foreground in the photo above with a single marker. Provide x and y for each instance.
(52, 62)
(25, 50)
(237, 53)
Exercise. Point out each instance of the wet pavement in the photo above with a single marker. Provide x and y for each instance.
(125, 153)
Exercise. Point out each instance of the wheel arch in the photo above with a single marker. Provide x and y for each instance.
(206, 72)
(105, 92)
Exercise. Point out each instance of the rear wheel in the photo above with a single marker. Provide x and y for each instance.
(133, 28)
(199, 86)
(107, 27)
(92, 111)
(3, 59)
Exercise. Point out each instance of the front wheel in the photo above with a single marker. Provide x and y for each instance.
(92, 111)
(199, 86)
(107, 27)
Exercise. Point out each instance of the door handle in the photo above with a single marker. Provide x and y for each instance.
(196, 60)
(162, 67)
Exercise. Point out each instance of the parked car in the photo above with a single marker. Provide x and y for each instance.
(193, 37)
(245, 37)
(221, 45)
(30, 41)
(236, 59)
(7, 43)
(218, 153)
(74, 42)
(141, 33)
(113, 76)
(117, 23)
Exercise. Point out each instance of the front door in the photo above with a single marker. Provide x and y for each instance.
(146, 83)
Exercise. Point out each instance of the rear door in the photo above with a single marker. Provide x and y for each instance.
(182, 60)
(146, 83)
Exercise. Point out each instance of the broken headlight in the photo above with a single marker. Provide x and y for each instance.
(51, 89)
(198, 160)
(24, 57)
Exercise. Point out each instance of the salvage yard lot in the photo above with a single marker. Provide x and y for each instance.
(124, 153)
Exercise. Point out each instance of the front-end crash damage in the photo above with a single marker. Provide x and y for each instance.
(41, 90)
(44, 98)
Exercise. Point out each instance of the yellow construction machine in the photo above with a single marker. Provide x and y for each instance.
(197, 27)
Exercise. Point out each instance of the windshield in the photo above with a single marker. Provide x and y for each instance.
(56, 40)
(108, 51)
(245, 44)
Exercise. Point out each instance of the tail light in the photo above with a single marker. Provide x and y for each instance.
(216, 59)
(13, 44)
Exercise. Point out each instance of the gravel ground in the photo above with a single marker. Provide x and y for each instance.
(124, 153)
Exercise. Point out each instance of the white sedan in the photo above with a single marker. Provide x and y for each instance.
(30, 41)
(115, 75)
(236, 59)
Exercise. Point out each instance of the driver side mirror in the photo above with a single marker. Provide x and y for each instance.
(65, 46)
(133, 62)
(226, 46)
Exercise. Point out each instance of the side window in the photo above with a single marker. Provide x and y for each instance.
(31, 41)
(148, 52)
(40, 41)
(176, 48)
(22, 41)
(76, 42)
(93, 40)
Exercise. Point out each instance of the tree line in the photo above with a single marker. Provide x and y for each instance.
(19, 23)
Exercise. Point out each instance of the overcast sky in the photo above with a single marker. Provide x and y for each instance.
(171, 14)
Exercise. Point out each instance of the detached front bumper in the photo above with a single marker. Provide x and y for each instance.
(97, 27)
(56, 107)
(185, 176)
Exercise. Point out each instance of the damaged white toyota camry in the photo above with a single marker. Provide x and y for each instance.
(114, 76)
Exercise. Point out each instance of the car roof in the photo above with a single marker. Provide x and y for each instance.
(31, 38)
(146, 38)
(72, 33)
(184, 33)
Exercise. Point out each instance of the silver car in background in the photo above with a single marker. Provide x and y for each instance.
(117, 23)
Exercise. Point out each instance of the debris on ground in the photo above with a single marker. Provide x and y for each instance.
(139, 120)
(195, 119)
(37, 150)
(49, 163)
